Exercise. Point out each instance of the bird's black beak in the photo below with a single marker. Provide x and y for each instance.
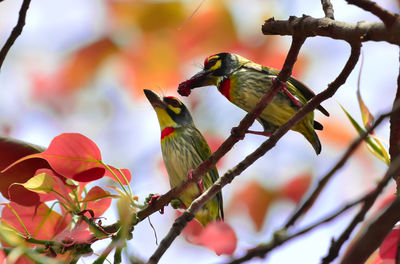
(198, 80)
(154, 99)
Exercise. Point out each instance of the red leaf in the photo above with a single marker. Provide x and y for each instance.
(376, 259)
(23, 196)
(73, 156)
(79, 234)
(99, 207)
(89, 175)
(75, 71)
(385, 201)
(296, 187)
(192, 229)
(336, 132)
(389, 245)
(96, 193)
(40, 223)
(2, 256)
(23, 260)
(98, 200)
(256, 200)
(10, 151)
(217, 236)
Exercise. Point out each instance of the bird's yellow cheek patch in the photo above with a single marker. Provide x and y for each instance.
(217, 65)
(164, 119)
(176, 110)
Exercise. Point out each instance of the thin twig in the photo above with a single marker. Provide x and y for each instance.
(386, 16)
(262, 250)
(191, 15)
(17, 30)
(328, 9)
(310, 27)
(189, 214)
(337, 244)
(373, 235)
(324, 180)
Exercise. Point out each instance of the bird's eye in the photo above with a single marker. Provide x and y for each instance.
(174, 103)
(210, 63)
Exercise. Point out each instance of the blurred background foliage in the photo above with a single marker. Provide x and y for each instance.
(81, 66)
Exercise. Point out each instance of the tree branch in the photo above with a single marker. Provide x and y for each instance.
(394, 146)
(262, 250)
(373, 236)
(17, 30)
(328, 9)
(189, 214)
(302, 210)
(307, 26)
(359, 217)
(386, 16)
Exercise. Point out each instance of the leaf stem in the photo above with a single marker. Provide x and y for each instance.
(19, 219)
(126, 180)
(116, 177)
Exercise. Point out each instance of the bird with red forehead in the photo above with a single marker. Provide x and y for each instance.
(244, 82)
(183, 149)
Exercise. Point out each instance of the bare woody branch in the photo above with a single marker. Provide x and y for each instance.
(337, 244)
(324, 180)
(310, 27)
(189, 214)
(386, 16)
(328, 9)
(262, 250)
(277, 240)
(17, 30)
(373, 236)
(394, 148)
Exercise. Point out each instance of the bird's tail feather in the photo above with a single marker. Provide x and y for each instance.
(312, 137)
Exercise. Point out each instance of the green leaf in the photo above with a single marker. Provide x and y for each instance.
(373, 144)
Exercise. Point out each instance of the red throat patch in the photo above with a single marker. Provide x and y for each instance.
(225, 88)
(167, 131)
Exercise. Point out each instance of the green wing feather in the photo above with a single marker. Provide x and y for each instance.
(204, 151)
(298, 89)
